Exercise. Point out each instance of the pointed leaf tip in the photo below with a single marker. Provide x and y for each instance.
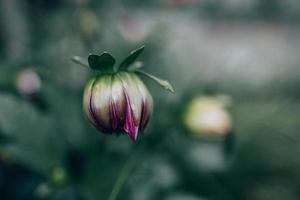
(163, 83)
(104, 62)
(132, 57)
(166, 84)
(80, 61)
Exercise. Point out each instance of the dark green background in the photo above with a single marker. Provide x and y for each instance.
(248, 50)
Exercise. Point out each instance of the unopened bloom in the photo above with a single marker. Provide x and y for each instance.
(133, 29)
(28, 83)
(117, 100)
(118, 103)
(208, 115)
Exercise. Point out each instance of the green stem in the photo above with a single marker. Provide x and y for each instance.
(123, 175)
(128, 167)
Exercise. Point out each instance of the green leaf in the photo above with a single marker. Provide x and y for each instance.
(81, 61)
(32, 141)
(135, 66)
(164, 83)
(131, 58)
(104, 62)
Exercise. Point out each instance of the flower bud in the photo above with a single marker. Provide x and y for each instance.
(118, 102)
(28, 83)
(207, 115)
(133, 29)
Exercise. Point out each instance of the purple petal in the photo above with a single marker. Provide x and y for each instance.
(146, 105)
(118, 103)
(100, 104)
(114, 116)
(99, 125)
(134, 97)
(86, 102)
(146, 113)
(129, 126)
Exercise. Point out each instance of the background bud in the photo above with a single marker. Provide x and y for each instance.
(132, 29)
(207, 115)
(28, 82)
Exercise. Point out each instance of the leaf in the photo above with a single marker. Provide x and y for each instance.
(164, 83)
(135, 66)
(81, 61)
(104, 62)
(33, 139)
(132, 57)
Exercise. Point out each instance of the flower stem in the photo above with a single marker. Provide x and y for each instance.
(128, 167)
(123, 175)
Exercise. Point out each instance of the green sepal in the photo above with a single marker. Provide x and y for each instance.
(104, 62)
(81, 61)
(135, 66)
(164, 83)
(131, 58)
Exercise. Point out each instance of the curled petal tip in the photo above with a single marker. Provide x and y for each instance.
(133, 134)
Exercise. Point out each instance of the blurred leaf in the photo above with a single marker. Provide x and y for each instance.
(34, 139)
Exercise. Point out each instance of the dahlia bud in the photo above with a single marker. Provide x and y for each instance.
(118, 103)
(28, 83)
(208, 115)
(117, 100)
